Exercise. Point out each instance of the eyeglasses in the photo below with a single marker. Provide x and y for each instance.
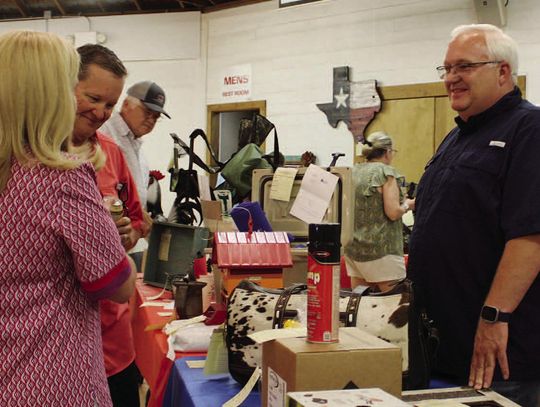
(461, 68)
(150, 114)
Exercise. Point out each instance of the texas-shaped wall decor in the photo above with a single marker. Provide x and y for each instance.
(354, 103)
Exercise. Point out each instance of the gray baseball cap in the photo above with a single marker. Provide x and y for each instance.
(151, 94)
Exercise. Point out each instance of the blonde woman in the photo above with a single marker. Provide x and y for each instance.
(60, 250)
(375, 255)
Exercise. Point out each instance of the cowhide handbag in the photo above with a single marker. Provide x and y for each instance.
(252, 308)
(394, 317)
(390, 315)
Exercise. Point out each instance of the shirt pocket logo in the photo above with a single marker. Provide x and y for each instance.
(497, 143)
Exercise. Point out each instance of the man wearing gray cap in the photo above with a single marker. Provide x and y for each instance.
(141, 109)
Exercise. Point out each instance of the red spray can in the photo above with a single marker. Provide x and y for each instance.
(323, 282)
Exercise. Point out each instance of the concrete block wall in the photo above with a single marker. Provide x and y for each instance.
(292, 52)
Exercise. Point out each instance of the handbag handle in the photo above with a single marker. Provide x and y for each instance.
(280, 311)
(402, 286)
(275, 154)
(194, 158)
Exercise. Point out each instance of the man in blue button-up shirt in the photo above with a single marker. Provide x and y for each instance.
(475, 249)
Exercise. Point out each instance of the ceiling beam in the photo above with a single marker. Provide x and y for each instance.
(100, 5)
(232, 4)
(137, 4)
(60, 7)
(22, 8)
(192, 3)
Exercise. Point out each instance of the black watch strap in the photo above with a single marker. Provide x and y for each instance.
(492, 314)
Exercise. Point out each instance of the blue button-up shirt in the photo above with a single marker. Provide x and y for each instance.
(480, 189)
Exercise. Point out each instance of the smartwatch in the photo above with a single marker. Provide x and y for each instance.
(491, 315)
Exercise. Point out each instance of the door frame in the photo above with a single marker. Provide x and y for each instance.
(212, 122)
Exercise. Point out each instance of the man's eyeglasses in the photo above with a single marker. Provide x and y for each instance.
(150, 114)
(461, 68)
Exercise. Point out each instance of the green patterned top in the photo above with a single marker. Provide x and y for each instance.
(375, 235)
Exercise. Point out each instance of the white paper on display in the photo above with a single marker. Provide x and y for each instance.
(282, 183)
(314, 195)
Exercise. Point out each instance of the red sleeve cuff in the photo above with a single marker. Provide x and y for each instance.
(108, 284)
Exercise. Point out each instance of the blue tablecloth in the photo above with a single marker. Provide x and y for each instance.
(189, 387)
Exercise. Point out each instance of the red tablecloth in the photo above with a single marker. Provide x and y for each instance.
(151, 345)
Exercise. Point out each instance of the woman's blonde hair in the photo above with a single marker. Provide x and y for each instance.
(38, 74)
(376, 145)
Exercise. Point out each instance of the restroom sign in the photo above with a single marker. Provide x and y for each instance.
(236, 82)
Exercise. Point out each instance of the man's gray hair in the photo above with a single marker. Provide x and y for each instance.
(500, 46)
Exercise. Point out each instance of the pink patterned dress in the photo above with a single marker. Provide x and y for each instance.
(59, 253)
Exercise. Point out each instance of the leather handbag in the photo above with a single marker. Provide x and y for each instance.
(252, 308)
(238, 170)
(394, 316)
(390, 315)
(187, 208)
(254, 130)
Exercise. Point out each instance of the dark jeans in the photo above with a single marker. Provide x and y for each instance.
(526, 394)
(124, 387)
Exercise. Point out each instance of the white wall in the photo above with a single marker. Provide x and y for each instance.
(292, 52)
(165, 48)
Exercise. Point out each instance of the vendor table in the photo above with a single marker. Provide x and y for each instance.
(189, 387)
(151, 344)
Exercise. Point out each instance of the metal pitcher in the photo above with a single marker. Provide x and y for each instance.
(187, 297)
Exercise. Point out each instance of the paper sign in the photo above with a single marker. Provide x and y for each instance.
(244, 393)
(217, 356)
(195, 364)
(156, 304)
(236, 82)
(277, 389)
(164, 245)
(314, 195)
(269, 334)
(282, 184)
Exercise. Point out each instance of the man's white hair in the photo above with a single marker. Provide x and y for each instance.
(499, 45)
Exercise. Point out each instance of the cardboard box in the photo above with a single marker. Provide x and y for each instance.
(344, 398)
(358, 360)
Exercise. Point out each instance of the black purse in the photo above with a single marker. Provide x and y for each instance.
(254, 130)
(185, 184)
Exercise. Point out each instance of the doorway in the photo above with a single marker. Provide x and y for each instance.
(223, 123)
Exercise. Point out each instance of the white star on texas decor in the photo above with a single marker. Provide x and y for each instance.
(341, 98)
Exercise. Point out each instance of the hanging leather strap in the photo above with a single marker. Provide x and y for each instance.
(194, 158)
(280, 311)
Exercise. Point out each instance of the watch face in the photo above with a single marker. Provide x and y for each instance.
(489, 313)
